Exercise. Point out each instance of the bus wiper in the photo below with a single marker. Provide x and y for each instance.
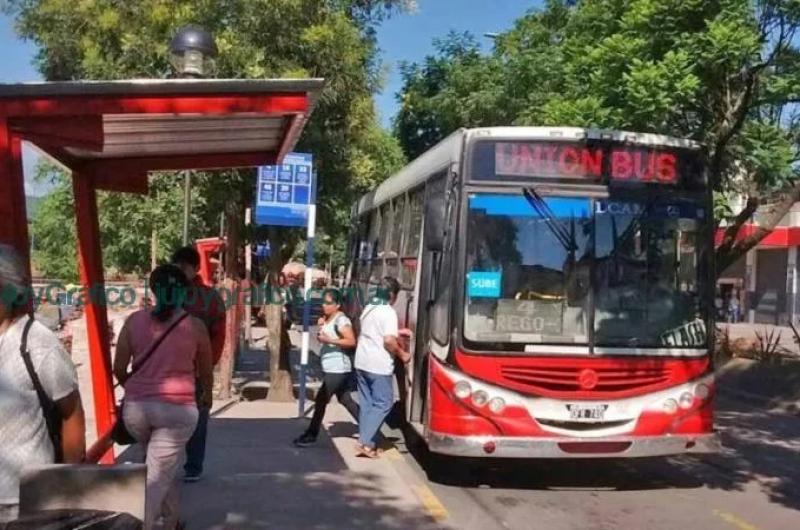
(635, 223)
(566, 239)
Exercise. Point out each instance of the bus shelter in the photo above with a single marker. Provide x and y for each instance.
(110, 134)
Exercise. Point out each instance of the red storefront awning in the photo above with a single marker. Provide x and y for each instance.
(780, 237)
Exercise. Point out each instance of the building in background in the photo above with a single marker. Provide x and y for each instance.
(764, 282)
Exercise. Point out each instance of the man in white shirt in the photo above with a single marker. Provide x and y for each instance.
(377, 349)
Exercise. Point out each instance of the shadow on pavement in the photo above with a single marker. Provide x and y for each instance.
(255, 478)
(758, 447)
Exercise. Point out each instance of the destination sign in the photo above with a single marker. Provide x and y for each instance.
(529, 316)
(589, 161)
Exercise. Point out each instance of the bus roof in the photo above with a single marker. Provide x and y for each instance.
(448, 151)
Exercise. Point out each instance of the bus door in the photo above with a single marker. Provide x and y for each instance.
(427, 267)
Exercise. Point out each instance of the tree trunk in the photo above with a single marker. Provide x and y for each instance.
(231, 283)
(154, 249)
(278, 342)
(732, 249)
(225, 367)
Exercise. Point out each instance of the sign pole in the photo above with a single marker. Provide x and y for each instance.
(248, 275)
(286, 196)
(304, 344)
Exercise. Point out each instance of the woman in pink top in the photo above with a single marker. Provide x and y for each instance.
(160, 405)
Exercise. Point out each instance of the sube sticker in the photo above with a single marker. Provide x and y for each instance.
(484, 284)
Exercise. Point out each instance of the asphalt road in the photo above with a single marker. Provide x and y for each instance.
(754, 484)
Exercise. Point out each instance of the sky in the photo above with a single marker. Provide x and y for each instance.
(17, 67)
(407, 37)
(410, 37)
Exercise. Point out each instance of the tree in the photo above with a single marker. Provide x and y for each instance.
(723, 72)
(124, 222)
(54, 251)
(334, 39)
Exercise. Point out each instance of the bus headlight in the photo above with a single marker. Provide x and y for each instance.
(686, 400)
(702, 391)
(479, 398)
(670, 406)
(496, 405)
(462, 390)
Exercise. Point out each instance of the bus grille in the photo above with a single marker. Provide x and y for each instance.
(572, 380)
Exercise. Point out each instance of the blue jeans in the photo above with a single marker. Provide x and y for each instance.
(196, 446)
(375, 400)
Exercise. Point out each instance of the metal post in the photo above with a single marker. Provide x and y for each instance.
(304, 344)
(187, 201)
(91, 273)
(248, 266)
(791, 285)
(750, 278)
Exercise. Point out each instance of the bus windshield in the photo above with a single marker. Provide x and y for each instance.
(584, 271)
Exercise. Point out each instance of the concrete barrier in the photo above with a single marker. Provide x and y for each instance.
(119, 488)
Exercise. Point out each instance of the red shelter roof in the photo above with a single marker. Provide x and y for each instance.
(110, 134)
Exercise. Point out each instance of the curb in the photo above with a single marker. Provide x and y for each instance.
(220, 406)
(789, 408)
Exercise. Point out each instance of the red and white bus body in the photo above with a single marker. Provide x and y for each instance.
(562, 310)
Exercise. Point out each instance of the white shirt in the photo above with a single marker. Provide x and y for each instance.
(24, 440)
(377, 322)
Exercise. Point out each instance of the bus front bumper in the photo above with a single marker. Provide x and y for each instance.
(616, 447)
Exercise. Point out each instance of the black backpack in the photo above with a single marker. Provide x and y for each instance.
(350, 352)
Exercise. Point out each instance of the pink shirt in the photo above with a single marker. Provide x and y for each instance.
(169, 373)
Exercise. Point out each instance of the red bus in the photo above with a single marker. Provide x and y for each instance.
(559, 284)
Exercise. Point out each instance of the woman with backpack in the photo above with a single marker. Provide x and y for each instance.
(337, 340)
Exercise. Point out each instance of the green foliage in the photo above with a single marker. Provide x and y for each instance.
(126, 224)
(334, 39)
(723, 72)
(432, 97)
(54, 252)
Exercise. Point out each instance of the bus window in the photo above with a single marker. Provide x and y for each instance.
(364, 250)
(525, 262)
(376, 264)
(647, 274)
(393, 248)
(387, 229)
(401, 222)
(413, 236)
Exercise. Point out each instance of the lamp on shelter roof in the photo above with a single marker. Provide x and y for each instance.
(192, 51)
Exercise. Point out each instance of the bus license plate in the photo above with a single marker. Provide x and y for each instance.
(587, 412)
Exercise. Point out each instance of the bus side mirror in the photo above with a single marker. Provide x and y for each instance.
(434, 223)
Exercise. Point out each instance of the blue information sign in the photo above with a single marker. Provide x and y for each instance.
(285, 191)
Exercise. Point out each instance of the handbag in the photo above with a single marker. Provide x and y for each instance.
(120, 433)
(50, 410)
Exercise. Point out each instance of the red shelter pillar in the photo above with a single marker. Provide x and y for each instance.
(91, 273)
(13, 217)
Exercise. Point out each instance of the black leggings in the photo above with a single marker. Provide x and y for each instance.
(332, 385)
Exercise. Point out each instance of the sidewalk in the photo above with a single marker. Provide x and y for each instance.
(745, 330)
(255, 478)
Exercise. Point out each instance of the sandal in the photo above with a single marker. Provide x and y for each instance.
(366, 452)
